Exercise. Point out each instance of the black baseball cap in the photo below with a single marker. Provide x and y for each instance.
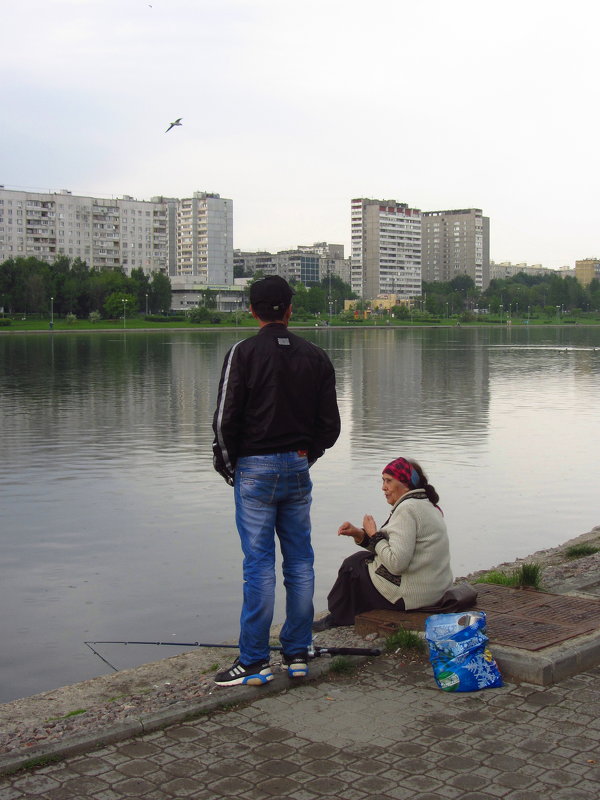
(273, 293)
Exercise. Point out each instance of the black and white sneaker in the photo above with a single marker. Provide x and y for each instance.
(295, 665)
(241, 674)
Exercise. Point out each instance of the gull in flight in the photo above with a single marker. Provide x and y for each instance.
(173, 124)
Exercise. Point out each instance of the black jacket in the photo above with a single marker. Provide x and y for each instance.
(276, 394)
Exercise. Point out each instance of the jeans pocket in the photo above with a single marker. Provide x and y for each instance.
(257, 491)
(303, 486)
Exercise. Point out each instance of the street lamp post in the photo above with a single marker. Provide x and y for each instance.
(51, 313)
(146, 303)
(124, 312)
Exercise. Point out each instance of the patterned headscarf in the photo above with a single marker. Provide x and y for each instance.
(403, 471)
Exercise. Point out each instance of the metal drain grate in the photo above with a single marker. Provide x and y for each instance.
(533, 620)
(520, 618)
(491, 597)
(527, 634)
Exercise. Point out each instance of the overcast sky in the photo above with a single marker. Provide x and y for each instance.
(293, 108)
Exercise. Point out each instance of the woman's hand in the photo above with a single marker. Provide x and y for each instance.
(348, 529)
(369, 525)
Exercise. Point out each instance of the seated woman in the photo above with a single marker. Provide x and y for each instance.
(406, 561)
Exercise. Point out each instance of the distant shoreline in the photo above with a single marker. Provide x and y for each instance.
(298, 326)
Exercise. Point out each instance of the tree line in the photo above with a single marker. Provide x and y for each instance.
(31, 286)
(520, 296)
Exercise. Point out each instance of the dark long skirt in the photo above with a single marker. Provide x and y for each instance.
(353, 592)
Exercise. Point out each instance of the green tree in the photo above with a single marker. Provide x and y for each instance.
(336, 292)
(317, 300)
(160, 293)
(594, 295)
(463, 284)
(300, 299)
(401, 312)
(199, 314)
(209, 298)
(119, 303)
(139, 285)
(8, 285)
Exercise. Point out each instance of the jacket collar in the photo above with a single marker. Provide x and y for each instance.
(270, 326)
(417, 494)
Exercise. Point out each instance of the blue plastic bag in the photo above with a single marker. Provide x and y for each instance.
(458, 652)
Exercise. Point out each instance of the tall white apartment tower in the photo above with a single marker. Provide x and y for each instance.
(456, 243)
(205, 239)
(386, 248)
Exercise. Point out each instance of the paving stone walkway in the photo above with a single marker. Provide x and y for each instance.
(385, 732)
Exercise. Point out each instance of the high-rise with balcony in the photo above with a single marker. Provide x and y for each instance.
(105, 233)
(386, 249)
(204, 228)
(189, 237)
(456, 243)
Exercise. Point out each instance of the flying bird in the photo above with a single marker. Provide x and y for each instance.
(173, 124)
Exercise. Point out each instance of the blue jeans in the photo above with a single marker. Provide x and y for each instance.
(273, 495)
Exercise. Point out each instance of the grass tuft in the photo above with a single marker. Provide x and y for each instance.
(213, 668)
(529, 575)
(404, 640)
(69, 714)
(342, 665)
(41, 761)
(581, 550)
(497, 577)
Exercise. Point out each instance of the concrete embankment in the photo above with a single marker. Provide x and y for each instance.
(169, 689)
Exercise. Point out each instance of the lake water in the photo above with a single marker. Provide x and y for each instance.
(115, 526)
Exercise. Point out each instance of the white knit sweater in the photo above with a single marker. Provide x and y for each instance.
(415, 547)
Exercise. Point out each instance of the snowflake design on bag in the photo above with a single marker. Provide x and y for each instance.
(485, 672)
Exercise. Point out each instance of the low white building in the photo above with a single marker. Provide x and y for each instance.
(187, 293)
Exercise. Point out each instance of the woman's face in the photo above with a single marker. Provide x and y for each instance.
(392, 489)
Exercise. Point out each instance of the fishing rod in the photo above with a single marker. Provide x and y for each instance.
(313, 651)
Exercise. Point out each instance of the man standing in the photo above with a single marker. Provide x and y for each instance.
(276, 414)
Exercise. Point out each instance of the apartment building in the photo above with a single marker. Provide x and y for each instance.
(122, 232)
(386, 248)
(586, 270)
(332, 258)
(105, 233)
(307, 264)
(204, 226)
(506, 269)
(456, 243)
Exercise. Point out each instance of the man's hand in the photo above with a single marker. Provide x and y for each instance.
(220, 466)
(226, 475)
